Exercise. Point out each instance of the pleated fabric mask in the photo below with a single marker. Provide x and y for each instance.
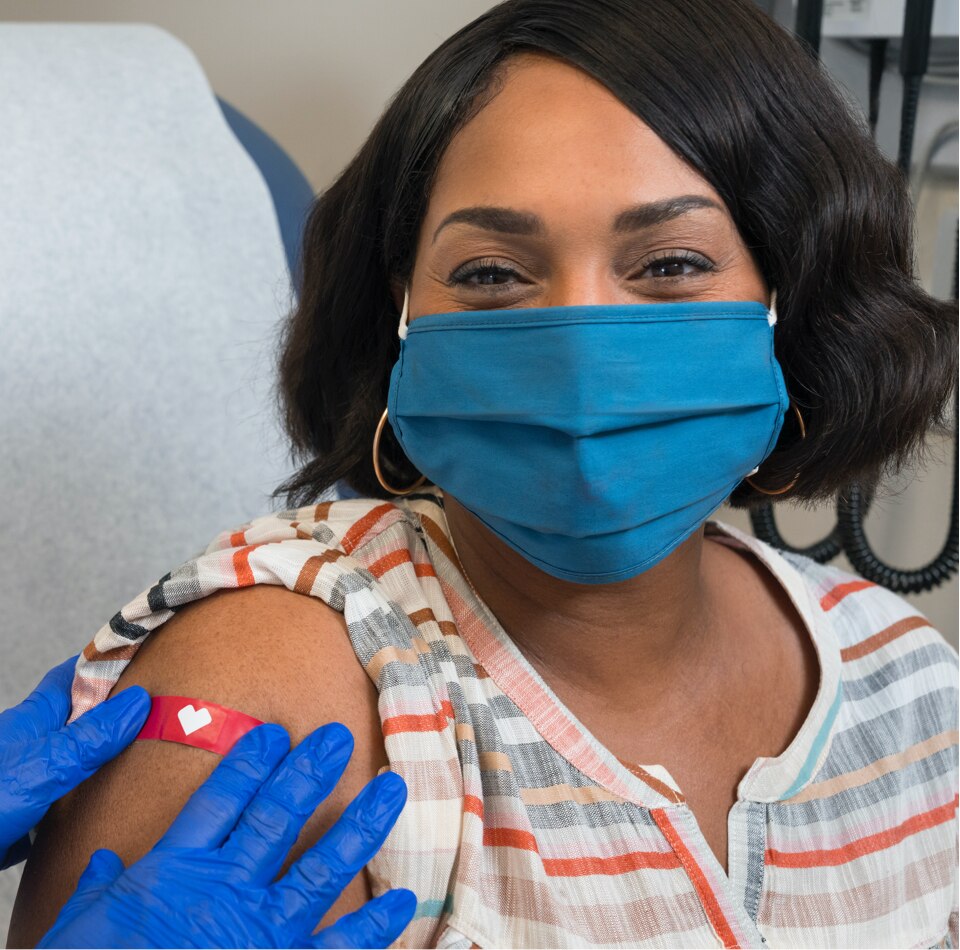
(593, 440)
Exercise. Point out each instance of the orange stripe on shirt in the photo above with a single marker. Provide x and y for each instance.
(708, 899)
(93, 655)
(238, 539)
(509, 838)
(311, 568)
(473, 805)
(359, 528)
(618, 864)
(388, 562)
(426, 723)
(869, 845)
(241, 565)
(833, 596)
(882, 638)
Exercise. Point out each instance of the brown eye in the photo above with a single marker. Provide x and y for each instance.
(484, 274)
(487, 276)
(670, 269)
(676, 266)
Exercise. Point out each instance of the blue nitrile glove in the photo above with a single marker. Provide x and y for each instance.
(207, 882)
(41, 759)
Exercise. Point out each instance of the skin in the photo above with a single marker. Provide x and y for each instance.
(670, 667)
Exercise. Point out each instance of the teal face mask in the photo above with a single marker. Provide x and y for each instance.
(592, 440)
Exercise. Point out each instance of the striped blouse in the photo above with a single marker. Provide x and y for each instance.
(522, 830)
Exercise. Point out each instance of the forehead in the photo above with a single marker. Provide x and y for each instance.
(554, 139)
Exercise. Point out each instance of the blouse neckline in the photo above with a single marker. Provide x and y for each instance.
(769, 779)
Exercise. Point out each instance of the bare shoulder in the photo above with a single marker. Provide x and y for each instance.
(273, 654)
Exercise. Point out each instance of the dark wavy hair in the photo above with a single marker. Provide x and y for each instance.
(868, 357)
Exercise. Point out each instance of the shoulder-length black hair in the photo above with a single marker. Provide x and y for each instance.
(868, 357)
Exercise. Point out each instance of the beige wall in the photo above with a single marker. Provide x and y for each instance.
(316, 74)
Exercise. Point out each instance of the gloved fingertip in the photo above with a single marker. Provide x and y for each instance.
(336, 736)
(55, 684)
(390, 786)
(389, 914)
(268, 741)
(104, 731)
(328, 749)
(383, 800)
(378, 923)
(130, 701)
(105, 863)
(62, 672)
(400, 903)
(127, 712)
(103, 868)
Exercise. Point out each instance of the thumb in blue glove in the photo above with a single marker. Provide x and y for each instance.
(209, 882)
(41, 759)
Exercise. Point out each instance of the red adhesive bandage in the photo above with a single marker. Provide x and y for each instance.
(196, 722)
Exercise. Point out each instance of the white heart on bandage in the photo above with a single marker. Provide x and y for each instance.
(193, 719)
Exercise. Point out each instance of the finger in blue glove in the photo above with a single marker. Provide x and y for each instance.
(209, 881)
(45, 709)
(41, 759)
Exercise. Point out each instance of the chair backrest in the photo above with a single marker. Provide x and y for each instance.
(289, 188)
(142, 278)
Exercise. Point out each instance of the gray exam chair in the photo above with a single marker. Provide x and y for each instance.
(142, 277)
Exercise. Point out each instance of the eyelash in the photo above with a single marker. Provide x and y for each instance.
(492, 267)
(462, 275)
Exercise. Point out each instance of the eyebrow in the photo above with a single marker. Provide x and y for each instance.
(657, 212)
(510, 221)
(501, 220)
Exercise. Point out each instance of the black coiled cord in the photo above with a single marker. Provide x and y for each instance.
(851, 509)
(852, 505)
(869, 566)
(908, 121)
(764, 524)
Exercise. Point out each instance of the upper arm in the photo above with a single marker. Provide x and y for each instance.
(276, 655)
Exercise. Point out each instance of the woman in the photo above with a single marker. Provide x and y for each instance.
(620, 723)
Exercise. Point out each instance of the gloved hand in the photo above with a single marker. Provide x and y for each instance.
(41, 759)
(207, 882)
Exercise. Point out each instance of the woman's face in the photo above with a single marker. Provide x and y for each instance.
(555, 194)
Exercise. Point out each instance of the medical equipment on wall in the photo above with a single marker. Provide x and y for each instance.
(877, 22)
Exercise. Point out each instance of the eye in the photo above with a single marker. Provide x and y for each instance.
(484, 273)
(675, 265)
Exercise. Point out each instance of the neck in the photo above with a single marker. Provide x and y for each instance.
(600, 641)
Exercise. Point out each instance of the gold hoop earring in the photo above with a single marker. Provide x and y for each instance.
(780, 491)
(376, 463)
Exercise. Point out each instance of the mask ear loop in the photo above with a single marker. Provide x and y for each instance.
(404, 314)
(384, 484)
(771, 321)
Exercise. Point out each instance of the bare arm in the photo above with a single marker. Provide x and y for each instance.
(265, 651)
